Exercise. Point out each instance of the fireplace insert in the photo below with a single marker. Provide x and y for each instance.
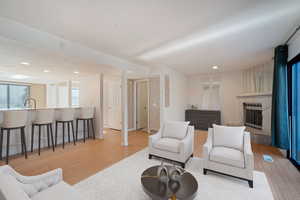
(253, 115)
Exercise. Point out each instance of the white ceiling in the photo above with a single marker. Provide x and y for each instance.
(189, 36)
(61, 68)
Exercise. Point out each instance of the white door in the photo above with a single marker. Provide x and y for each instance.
(142, 104)
(114, 120)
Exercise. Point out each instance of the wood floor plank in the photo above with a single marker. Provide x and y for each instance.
(85, 159)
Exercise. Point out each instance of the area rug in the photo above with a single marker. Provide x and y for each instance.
(122, 181)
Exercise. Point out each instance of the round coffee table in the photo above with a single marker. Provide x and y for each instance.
(186, 188)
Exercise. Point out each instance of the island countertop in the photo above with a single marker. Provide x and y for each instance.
(15, 146)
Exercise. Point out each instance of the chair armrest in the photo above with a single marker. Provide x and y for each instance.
(34, 184)
(188, 141)
(154, 138)
(208, 144)
(248, 154)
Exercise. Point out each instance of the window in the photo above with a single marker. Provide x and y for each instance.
(75, 96)
(13, 96)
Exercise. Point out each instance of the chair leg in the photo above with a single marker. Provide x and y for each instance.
(83, 130)
(204, 171)
(250, 182)
(32, 136)
(22, 144)
(1, 143)
(24, 141)
(76, 129)
(74, 139)
(51, 134)
(68, 125)
(55, 134)
(63, 135)
(92, 122)
(7, 145)
(48, 135)
(39, 139)
(88, 128)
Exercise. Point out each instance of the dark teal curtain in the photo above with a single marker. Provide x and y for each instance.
(295, 132)
(280, 119)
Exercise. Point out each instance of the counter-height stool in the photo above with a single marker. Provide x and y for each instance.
(43, 118)
(13, 120)
(87, 116)
(66, 117)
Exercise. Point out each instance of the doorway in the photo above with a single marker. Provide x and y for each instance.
(112, 104)
(142, 101)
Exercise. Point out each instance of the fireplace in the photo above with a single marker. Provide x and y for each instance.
(253, 115)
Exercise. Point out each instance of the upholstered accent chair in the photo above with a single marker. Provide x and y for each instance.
(48, 186)
(174, 142)
(228, 151)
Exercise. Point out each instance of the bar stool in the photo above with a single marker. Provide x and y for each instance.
(66, 117)
(87, 116)
(13, 120)
(43, 118)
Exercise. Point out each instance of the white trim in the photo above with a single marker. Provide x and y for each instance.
(135, 103)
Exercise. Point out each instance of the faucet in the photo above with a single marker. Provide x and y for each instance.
(28, 100)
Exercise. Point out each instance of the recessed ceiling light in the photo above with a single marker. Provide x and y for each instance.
(215, 67)
(76, 72)
(25, 63)
(46, 71)
(19, 76)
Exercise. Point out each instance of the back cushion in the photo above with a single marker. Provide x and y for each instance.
(10, 188)
(175, 129)
(226, 136)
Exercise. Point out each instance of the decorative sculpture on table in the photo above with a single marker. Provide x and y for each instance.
(170, 177)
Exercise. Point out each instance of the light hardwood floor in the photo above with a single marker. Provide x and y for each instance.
(85, 159)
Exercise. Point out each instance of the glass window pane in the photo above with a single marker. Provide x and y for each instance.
(296, 112)
(75, 97)
(17, 95)
(3, 96)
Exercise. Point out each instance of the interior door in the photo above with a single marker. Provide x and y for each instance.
(114, 120)
(142, 104)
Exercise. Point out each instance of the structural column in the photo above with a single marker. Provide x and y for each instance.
(101, 103)
(124, 108)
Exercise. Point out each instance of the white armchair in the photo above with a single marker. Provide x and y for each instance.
(48, 186)
(174, 141)
(228, 151)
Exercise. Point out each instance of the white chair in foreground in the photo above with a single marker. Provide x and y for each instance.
(174, 141)
(228, 151)
(48, 186)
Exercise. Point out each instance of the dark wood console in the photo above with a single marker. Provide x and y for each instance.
(203, 119)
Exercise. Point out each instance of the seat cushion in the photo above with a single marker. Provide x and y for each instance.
(175, 129)
(10, 188)
(227, 156)
(168, 144)
(232, 137)
(60, 191)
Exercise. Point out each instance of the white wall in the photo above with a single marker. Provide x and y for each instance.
(230, 88)
(294, 46)
(178, 93)
(90, 95)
